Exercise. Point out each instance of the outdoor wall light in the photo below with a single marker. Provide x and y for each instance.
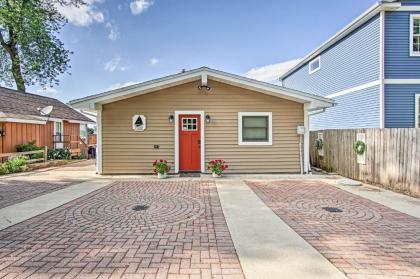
(208, 118)
(208, 88)
(171, 118)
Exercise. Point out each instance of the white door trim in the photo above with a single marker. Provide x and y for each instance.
(58, 145)
(202, 147)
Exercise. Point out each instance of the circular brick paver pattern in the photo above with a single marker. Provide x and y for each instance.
(181, 234)
(365, 240)
(350, 211)
(114, 208)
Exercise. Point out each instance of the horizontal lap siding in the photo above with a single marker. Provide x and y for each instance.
(351, 62)
(126, 151)
(356, 110)
(410, 2)
(400, 105)
(398, 62)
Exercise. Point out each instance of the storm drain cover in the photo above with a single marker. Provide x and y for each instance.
(140, 207)
(332, 209)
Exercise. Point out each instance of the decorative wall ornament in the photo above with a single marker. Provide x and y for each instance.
(139, 123)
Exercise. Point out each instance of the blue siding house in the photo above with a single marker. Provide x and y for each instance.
(371, 68)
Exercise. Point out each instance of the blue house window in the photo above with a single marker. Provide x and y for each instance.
(415, 35)
(315, 65)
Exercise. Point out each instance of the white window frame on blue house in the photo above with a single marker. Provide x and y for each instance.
(412, 35)
(417, 110)
(311, 71)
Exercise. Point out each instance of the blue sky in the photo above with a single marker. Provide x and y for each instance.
(122, 42)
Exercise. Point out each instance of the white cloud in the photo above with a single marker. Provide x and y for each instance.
(47, 91)
(139, 6)
(271, 72)
(114, 65)
(153, 61)
(83, 15)
(121, 84)
(113, 31)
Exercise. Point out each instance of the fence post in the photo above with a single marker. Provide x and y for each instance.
(45, 154)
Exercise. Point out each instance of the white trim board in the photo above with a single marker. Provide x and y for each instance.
(270, 128)
(202, 136)
(408, 9)
(355, 89)
(402, 81)
(417, 110)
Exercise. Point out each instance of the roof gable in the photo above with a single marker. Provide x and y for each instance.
(204, 74)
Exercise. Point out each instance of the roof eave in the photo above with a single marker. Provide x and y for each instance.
(367, 15)
(193, 75)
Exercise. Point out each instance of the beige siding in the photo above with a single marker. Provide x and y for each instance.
(126, 151)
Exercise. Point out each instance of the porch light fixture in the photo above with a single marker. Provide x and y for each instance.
(171, 118)
(208, 118)
(206, 87)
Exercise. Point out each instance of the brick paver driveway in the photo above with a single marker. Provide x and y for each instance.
(131, 230)
(364, 239)
(16, 191)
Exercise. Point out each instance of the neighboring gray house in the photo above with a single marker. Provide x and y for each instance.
(371, 68)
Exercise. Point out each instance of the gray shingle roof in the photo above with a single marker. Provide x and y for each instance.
(14, 103)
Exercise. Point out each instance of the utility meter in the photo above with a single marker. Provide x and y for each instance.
(301, 130)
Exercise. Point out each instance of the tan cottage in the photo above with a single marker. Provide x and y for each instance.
(200, 115)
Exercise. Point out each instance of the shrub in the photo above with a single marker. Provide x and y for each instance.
(17, 164)
(59, 154)
(30, 146)
(79, 157)
(161, 166)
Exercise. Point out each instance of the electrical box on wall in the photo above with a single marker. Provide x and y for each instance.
(300, 130)
(139, 123)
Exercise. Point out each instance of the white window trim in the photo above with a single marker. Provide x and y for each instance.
(270, 128)
(312, 62)
(202, 135)
(417, 110)
(412, 17)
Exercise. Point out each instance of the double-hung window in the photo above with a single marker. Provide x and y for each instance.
(255, 128)
(415, 35)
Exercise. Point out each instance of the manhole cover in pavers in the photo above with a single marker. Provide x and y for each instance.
(332, 209)
(140, 207)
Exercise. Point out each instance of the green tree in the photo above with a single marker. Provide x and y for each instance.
(30, 52)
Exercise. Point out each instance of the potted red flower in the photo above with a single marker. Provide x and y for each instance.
(217, 167)
(161, 168)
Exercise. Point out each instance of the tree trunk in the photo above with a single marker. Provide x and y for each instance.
(17, 73)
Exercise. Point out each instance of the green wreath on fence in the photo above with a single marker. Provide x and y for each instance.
(359, 147)
(319, 143)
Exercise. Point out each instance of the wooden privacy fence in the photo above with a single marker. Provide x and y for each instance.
(391, 159)
(44, 158)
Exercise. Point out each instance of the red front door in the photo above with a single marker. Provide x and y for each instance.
(189, 142)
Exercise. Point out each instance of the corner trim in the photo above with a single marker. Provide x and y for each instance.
(202, 135)
(382, 70)
(417, 110)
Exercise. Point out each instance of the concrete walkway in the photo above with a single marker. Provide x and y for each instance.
(266, 246)
(17, 213)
